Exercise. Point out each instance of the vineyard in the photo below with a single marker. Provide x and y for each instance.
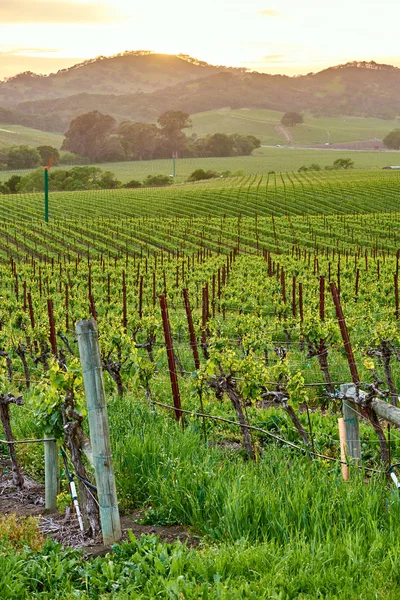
(228, 427)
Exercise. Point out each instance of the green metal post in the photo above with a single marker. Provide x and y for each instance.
(174, 163)
(46, 194)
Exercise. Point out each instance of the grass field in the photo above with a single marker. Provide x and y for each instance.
(263, 124)
(16, 135)
(263, 161)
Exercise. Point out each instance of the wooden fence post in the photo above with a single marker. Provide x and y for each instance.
(345, 334)
(193, 341)
(171, 360)
(51, 471)
(352, 425)
(99, 431)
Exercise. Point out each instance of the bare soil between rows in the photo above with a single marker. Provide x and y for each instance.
(29, 502)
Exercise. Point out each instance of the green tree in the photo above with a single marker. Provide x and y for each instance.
(13, 183)
(219, 144)
(46, 153)
(11, 186)
(140, 141)
(291, 119)
(171, 123)
(243, 145)
(23, 157)
(88, 134)
(112, 150)
(392, 140)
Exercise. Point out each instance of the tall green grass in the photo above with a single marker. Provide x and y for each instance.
(285, 528)
(283, 498)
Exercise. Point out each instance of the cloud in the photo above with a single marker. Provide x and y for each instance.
(54, 11)
(11, 64)
(32, 51)
(274, 57)
(269, 12)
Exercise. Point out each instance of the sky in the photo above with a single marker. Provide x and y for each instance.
(271, 36)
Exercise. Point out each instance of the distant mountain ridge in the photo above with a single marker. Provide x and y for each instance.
(128, 72)
(141, 85)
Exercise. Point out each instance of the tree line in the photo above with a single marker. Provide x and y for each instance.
(100, 138)
(94, 178)
(26, 157)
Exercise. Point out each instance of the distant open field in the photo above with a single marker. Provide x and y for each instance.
(264, 124)
(264, 160)
(16, 135)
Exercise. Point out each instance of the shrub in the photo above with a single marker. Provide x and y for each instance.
(134, 183)
(23, 157)
(343, 163)
(16, 533)
(312, 167)
(69, 158)
(157, 180)
(200, 174)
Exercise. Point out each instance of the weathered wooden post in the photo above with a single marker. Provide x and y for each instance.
(51, 471)
(352, 425)
(193, 341)
(99, 431)
(171, 360)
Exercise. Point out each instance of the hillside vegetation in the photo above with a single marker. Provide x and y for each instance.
(129, 72)
(142, 86)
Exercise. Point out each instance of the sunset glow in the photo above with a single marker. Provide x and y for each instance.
(281, 36)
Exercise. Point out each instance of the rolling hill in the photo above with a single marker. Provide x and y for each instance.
(16, 135)
(129, 72)
(354, 89)
(140, 86)
(265, 124)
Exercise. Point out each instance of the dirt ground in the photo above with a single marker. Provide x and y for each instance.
(30, 502)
